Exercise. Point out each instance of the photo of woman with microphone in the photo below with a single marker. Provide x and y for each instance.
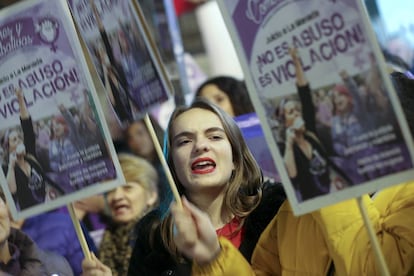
(25, 176)
(307, 161)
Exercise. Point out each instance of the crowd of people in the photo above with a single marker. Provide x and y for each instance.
(225, 211)
(230, 221)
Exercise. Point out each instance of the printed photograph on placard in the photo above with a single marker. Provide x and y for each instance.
(55, 144)
(319, 84)
(123, 58)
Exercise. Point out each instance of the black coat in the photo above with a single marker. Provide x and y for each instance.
(155, 259)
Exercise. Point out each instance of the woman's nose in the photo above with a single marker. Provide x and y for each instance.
(117, 193)
(202, 145)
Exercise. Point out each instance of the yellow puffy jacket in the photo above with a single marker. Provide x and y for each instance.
(307, 244)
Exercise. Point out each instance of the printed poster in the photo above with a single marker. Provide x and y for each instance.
(326, 103)
(122, 54)
(163, 25)
(56, 147)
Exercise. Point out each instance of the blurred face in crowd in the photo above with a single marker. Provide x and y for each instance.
(212, 93)
(139, 140)
(201, 151)
(129, 202)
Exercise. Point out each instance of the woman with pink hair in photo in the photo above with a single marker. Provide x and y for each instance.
(61, 148)
(346, 107)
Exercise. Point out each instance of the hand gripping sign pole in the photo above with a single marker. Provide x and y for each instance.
(374, 241)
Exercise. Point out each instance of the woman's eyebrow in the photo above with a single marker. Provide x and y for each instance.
(214, 129)
(191, 134)
(182, 134)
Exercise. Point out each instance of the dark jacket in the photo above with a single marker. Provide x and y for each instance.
(34, 261)
(155, 260)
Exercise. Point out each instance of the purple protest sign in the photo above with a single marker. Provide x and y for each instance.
(56, 146)
(122, 54)
(319, 85)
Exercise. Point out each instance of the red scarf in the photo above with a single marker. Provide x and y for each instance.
(230, 232)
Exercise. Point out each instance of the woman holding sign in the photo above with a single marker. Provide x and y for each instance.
(213, 167)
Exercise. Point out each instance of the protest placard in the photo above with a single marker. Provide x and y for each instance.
(125, 58)
(319, 85)
(56, 146)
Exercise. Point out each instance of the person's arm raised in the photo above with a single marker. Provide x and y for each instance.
(24, 113)
(300, 75)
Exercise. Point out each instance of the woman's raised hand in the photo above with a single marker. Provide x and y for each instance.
(293, 52)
